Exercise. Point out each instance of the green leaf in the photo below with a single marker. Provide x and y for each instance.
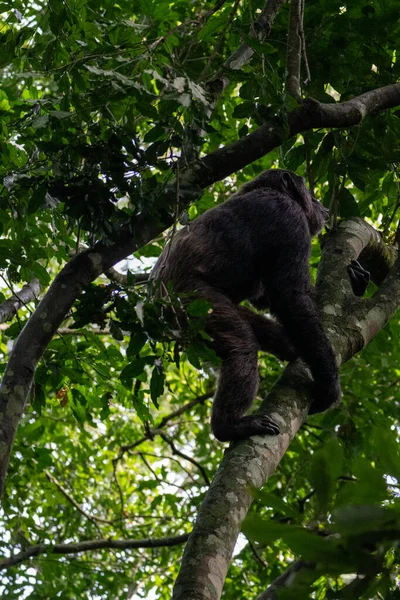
(140, 406)
(136, 343)
(243, 110)
(115, 331)
(348, 204)
(355, 519)
(192, 356)
(199, 307)
(150, 250)
(206, 353)
(155, 133)
(156, 384)
(301, 541)
(132, 371)
(295, 157)
(44, 457)
(41, 273)
(387, 449)
(37, 199)
(326, 466)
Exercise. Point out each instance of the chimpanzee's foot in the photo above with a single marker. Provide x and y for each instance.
(246, 427)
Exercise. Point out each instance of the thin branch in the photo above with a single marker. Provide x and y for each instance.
(303, 46)
(257, 556)
(142, 456)
(220, 39)
(185, 456)
(310, 115)
(83, 331)
(293, 58)
(90, 546)
(176, 413)
(166, 457)
(119, 488)
(72, 500)
(122, 279)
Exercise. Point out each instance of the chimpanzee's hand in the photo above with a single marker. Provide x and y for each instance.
(359, 277)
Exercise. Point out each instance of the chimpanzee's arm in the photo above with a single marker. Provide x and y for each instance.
(293, 302)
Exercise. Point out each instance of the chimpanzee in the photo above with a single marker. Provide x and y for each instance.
(256, 247)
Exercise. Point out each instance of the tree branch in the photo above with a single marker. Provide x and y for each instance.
(10, 307)
(294, 43)
(248, 464)
(71, 499)
(310, 115)
(122, 279)
(90, 546)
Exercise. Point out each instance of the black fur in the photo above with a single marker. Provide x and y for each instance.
(255, 246)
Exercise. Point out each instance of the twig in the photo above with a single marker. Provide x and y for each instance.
(117, 483)
(74, 503)
(220, 39)
(176, 413)
(83, 331)
(157, 456)
(310, 177)
(257, 556)
(156, 477)
(303, 45)
(185, 456)
(122, 279)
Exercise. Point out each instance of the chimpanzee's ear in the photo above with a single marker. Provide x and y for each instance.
(296, 187)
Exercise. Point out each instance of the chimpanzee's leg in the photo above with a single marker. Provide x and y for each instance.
(237, 345)
(271, 336)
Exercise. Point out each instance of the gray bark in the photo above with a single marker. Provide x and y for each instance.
(10, 307)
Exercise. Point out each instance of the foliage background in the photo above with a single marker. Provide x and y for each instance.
(101, 104)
